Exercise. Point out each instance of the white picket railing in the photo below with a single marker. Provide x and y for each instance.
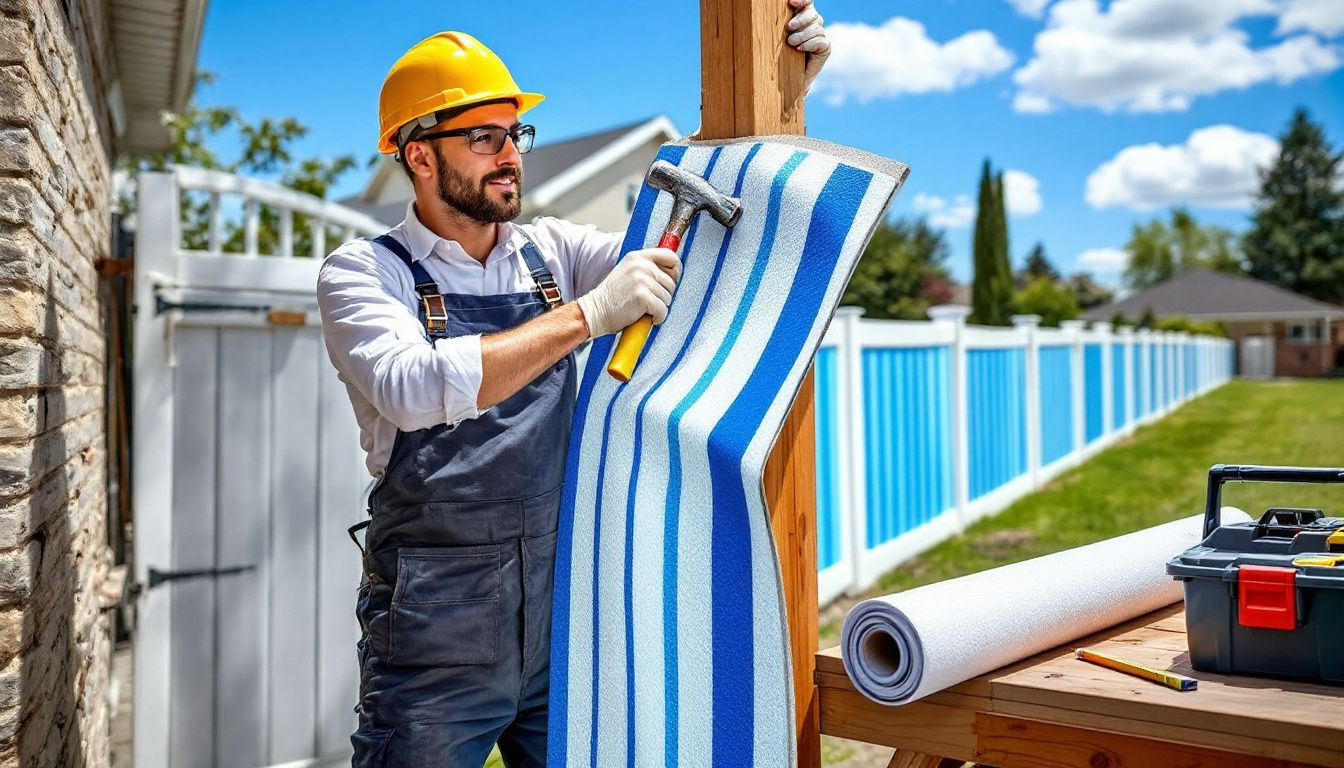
(925, 427)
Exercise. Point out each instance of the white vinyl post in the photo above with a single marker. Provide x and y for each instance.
(156, 244)
(853, 457)
(955, 315)
(1074, 329)
(1027, 325)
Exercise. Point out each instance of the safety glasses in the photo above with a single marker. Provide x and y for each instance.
(488, 139)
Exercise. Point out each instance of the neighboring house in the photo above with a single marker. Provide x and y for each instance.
(590, 179)
(81, 82)
(1277, 332)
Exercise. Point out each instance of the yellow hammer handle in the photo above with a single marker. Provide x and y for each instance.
(628, 347)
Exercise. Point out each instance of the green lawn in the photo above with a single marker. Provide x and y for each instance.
(1156, 475)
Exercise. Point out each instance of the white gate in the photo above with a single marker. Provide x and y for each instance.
(247, 473)
(1257, 357)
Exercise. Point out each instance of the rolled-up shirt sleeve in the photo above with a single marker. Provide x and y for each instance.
(377, 345)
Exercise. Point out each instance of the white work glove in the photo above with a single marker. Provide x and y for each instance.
(807, 35)
(641, 284)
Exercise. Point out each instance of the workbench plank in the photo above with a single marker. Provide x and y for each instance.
(1007, 742)
(1257, 743)
(920, 727)
(1299, 712)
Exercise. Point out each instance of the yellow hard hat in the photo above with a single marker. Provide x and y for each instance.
(450, 69)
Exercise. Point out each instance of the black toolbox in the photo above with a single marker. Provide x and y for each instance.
(1266, 597)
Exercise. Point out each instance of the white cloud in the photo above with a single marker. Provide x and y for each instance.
(1032, 8)
(955, 215)
(1103, 261)
(1215, 167)
(1158, 55)
(899, 57)
(1021, 193)
(1324, 17)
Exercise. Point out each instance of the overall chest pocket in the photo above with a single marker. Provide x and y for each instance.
(445, 607)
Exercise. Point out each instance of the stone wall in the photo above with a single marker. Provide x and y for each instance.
(55, 219)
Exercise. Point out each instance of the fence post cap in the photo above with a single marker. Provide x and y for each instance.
(1125, 330)
(1102, 326)
(850, 311)
(1072, 326)
(1026, 321)
(949, 313)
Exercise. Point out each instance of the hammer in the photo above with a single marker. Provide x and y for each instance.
(690, 195)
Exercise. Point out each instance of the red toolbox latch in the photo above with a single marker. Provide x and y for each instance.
(1267, 597)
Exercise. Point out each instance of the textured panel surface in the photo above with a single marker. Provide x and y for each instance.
(669, 644)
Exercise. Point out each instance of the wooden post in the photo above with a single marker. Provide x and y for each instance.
(751, 84)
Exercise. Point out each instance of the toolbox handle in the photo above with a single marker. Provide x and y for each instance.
(1221, 473)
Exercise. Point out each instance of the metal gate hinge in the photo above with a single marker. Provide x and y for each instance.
(157, 577)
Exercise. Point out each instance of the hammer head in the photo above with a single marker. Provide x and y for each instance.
(693, 193)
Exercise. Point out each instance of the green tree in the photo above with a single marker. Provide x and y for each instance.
(1146, 320)
(1036, 265)
(266, 152)
(1052, 301)
(1159, 251)
(1119, 319)
(902, 272)
(992, 282)
(1296, 240)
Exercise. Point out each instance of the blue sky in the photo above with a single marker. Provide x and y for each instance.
(1104, 113)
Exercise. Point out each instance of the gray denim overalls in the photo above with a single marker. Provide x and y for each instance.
(455, 605)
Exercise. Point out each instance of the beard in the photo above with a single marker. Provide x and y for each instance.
(474, 200)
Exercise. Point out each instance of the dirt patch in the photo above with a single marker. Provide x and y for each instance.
(996, 544)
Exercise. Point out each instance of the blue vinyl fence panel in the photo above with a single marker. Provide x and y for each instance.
(1056, 406)
(1152, 379)
(907, 439)
(1191, 368)
(996, 418)
(828, 460)
(1094, 393)
(1118, 376)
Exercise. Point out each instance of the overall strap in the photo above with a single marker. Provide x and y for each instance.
(433, 314)
(536, 266)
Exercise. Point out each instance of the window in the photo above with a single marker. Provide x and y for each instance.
(631, 194)
(1304, 333)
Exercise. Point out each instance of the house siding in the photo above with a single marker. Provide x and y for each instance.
(55, 225)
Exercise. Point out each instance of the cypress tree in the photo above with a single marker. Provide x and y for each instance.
(992, 283)
(982, 251)
(1003, 268)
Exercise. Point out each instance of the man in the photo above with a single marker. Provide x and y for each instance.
(453, 334)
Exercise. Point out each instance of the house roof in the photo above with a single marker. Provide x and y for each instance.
(550, 169)
(154, 43)
(1202, 294)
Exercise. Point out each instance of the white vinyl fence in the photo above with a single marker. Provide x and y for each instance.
(925, 427)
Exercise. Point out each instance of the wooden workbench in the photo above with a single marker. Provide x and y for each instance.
(1053, 710)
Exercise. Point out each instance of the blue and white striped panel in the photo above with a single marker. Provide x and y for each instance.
(669, 645)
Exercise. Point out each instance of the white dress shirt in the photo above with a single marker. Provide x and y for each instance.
(370, 319)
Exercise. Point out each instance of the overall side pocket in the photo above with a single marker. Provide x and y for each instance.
(445, 607)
